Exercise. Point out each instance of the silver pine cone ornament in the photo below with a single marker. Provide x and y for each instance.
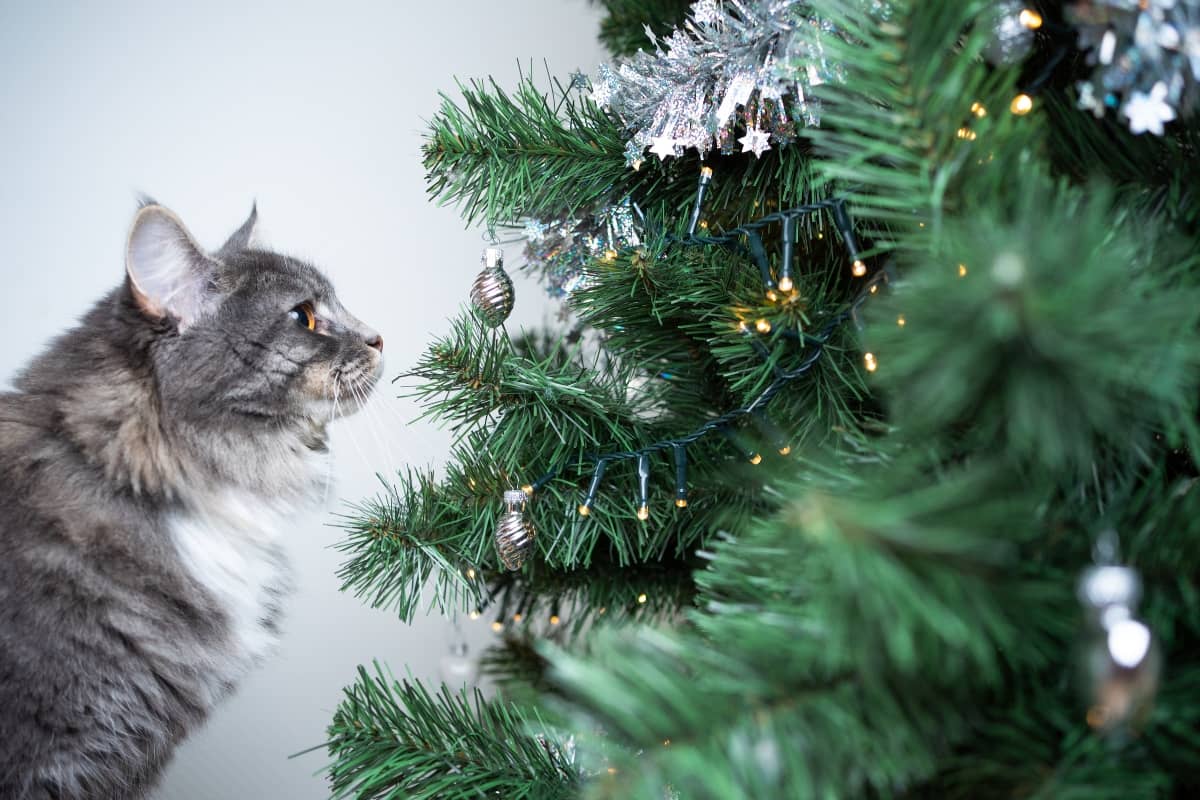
(514, 533)
(492, 293)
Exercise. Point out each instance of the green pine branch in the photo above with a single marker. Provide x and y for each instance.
(394, 738)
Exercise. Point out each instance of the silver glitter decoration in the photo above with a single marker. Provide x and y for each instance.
(492, 293)
(734, 65)
(514, 533)
(563, 248)
(1011, 41)
(1146, 56)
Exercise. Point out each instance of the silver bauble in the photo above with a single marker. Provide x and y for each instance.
(457, 668)
(514, 533)
(1010, 41)
(492, 293)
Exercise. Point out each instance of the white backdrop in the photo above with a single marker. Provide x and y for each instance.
(316, 111)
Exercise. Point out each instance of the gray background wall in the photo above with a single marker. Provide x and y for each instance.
(315, 111)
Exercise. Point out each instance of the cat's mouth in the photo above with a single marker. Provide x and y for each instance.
(351, 385)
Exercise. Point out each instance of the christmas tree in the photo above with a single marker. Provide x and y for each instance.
(863, 461)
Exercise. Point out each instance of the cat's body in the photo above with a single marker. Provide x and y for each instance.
(150, 461)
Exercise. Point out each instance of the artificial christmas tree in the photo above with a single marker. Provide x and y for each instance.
(863, 463)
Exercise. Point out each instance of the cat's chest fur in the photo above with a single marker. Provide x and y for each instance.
(230, 543)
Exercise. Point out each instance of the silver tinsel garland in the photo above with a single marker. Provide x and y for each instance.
(736, 64)
(1147, 57)
(557, 250)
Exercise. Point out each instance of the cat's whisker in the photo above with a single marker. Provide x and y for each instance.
(377, 425)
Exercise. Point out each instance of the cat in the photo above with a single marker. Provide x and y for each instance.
(150, 459)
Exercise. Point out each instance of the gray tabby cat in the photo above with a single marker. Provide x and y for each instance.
(149, 460)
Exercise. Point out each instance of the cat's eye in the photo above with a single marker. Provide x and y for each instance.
(304, 316)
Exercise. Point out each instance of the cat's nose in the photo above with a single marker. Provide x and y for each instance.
(376, 341)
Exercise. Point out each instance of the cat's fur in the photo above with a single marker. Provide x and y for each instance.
(149, 460)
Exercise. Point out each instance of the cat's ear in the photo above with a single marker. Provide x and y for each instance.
(243, 236)
(169, 274)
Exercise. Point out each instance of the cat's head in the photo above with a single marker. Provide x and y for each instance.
(243, 331)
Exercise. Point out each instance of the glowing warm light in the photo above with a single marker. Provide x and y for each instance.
(741, 326)
(785, 283)
(870, 362)
(966, 133)
(666, 742)
(858, 268)
(874, 288)
(680, 502)
(756, 459)
(771, 295)
(471, 573)
(612, 770)
(900, 320)
(610, 255)
(518, 617)
(497, 626)
(637, 164)
(1021, 104)
(602, 609)
(978, 110)
(643, 513)
(473, 615)
(762, 326)
(471, 482)
(584, 510)
(704, 224)
(785, 450)
(1030, 19)
(642, 598)
(962, 270)
(527, 489)
(554, 620)
(706, 172)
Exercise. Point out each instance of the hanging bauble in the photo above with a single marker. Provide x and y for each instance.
(1121, 660)
(492, 293)
(1012, 36)
(457, 669)
(514, 533)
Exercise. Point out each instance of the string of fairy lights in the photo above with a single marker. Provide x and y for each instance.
(515, 534)
(748, 239)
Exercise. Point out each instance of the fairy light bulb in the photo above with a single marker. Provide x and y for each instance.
(610, 255)
(756, 459)
(680, 476)
(771, 294)
(870, 362)
(554, 620)
(643, 470)
(473, 615)
(527, 489)
(470, 573)
(642, 598)
(517, 617)
(1030, 19)
(497, 626)
(962, 270)
(858, 268)
(762, 325)
(900, 321)
(785, 283)
(977, 108)
(1021, 105)
(785, 450)
(585, 508)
